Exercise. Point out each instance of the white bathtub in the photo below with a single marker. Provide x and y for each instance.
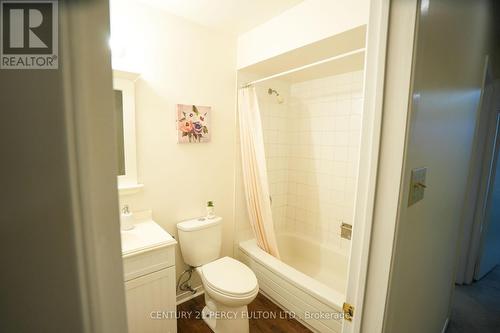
(309, 280)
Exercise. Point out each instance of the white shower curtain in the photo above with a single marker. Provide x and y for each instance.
(254, 171)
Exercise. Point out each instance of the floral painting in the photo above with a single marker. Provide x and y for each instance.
(193, 123)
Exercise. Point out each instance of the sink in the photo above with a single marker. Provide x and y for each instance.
(146, 235)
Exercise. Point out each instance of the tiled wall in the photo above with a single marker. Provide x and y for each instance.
(324, 134)
(275, 122)
(312, 146)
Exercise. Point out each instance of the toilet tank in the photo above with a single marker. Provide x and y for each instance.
(200, 240)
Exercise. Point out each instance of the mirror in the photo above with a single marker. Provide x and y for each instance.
(124, 109)
(118, 96)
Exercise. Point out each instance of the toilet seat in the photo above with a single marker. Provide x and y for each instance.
(229, 277)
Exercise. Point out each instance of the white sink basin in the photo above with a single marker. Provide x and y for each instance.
(146, 235)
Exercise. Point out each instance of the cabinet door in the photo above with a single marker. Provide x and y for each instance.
(151, 302)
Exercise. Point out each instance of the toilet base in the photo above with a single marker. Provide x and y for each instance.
(223, 319)
(208, 317)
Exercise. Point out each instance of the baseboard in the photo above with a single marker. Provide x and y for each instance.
(187, 295)
(445, 325)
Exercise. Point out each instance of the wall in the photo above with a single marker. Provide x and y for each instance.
(489, 256)
(481, 159)
(324, 135)
(38, 245)
(305, 23)
(451, 45)
(180, 62)
(60, 230)
(312, 151)
(275, 123)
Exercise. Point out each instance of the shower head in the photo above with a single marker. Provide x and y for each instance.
(279, 98)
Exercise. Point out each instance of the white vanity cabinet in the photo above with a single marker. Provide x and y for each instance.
(149, 270)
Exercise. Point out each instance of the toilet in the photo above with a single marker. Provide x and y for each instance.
(229, 284)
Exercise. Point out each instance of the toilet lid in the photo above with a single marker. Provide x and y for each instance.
(230, 276)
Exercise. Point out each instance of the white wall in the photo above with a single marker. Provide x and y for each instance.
(38, 246)
(308, 22)
(180, 62)
(60, 245)
(489, 257)
(312, 151)
(324, 135)
(275, 123)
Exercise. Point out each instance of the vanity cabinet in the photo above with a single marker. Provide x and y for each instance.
(151, 302)
(149, 271)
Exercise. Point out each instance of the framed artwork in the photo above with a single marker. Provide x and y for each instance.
(193, 123)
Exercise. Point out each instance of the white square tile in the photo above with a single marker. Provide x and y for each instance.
(312, 147)
(341, 154)
(355, 122)
(341, 123)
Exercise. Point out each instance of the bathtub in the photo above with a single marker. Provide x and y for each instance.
(309, 280)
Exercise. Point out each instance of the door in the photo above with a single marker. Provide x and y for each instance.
(489, 255)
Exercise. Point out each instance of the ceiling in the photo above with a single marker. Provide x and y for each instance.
(233, 16)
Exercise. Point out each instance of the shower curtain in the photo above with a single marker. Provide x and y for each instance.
(254, 171)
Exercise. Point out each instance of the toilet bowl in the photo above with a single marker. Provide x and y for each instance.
(229, 284)
(229, 287)
(229, 281)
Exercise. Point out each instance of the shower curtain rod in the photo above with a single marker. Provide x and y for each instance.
(340, 56)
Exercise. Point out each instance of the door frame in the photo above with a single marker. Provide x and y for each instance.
(467, 252)
(91, 231)
(374, 76)
(87, 93)
(377, 215)
(491, 160)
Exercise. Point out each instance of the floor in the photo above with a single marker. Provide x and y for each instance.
(261, 306)
(476, 307)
